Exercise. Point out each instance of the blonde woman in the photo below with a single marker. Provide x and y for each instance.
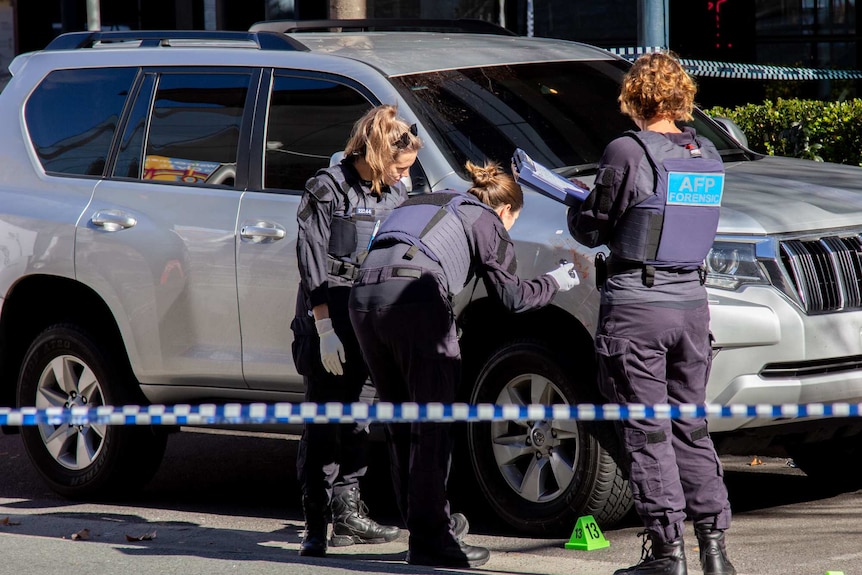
(338, 215)
(656, 205)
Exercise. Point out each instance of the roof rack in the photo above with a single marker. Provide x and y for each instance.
(265, 40)
(462, 25)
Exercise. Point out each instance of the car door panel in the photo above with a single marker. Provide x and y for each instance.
(158, 239)
(308, 117)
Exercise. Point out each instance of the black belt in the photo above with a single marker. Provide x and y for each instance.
(400, 272)
(377, 275)
(620, 267)
(615, 267)
(342, 269)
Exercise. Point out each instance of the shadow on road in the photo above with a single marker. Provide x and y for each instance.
(771, 485)
(255, 476)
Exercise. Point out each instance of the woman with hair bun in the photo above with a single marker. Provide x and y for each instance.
(425, 253)
(337, 216)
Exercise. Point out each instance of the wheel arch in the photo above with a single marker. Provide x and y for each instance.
(488, 334)
(38, 301)
(485, 326)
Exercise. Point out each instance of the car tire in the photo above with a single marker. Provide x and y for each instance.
(540, 477)
(63, 367)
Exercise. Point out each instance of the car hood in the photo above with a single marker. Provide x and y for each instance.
(775, 195)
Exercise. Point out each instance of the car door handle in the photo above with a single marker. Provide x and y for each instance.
(262, 231)
(112, 220)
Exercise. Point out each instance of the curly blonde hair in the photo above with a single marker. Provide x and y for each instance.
(657, 86)
(380, 136)
(495, 187)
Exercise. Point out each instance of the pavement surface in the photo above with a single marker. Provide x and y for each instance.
(227, 504)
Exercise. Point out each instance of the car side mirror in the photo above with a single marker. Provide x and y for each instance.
(733, 130)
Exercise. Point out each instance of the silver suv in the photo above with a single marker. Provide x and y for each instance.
(148, 192)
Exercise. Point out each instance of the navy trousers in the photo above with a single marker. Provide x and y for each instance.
(407, 335)
(332, 456)
(652, 354)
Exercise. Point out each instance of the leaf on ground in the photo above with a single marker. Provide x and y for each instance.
(144, 537)
(7, 521)
(81, 535)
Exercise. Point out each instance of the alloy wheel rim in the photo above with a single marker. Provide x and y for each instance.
(537, 459)
(68, 382)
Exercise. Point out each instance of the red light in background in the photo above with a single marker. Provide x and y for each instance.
(716, 7)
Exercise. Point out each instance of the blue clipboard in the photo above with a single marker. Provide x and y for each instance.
(548, 183)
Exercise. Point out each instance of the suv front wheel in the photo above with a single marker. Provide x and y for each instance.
(540, 476)
(64, 367)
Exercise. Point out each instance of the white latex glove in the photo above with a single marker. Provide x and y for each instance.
(331, 349)
(565, 276)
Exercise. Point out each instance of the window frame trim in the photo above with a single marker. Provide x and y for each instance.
(124, 112)
(246, 124)
(257, 168)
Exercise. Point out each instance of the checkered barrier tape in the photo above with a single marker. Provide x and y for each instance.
(713, 69)
(279, 413)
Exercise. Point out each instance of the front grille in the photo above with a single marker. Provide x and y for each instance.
(826, 273)
(812, 368)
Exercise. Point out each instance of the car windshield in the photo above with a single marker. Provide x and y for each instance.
(562, 114)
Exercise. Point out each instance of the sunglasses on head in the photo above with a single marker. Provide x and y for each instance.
(404, 140)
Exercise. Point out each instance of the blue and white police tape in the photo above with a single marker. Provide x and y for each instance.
(283, 413)
(709, 68)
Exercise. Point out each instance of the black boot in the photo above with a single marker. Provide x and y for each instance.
(661, 558)
(316, 522)
(713, 552)
(351, 523)
(453, 554)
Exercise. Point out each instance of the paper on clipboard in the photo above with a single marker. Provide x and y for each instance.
(546, 182)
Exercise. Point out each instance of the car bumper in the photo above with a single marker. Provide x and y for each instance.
(768, 351)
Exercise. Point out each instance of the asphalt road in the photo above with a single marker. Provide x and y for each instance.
(226, 504)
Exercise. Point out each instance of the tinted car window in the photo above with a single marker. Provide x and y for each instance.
(309, 120)
(561, 113)
(194, 128)
(72, 116)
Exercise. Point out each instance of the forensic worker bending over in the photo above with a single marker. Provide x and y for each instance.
(656, 205)
(429, 248)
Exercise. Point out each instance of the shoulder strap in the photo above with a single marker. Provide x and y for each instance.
(445, 201)
(342, 186)
(440, 198)
(640, 140)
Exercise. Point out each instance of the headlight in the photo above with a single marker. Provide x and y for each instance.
(730, 264)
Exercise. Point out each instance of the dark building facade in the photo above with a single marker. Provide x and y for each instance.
(799, 33)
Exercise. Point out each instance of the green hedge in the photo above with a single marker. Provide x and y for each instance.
(826, 131)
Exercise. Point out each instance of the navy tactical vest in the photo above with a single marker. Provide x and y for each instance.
(354, 222)
(675, 227)
(432, 224)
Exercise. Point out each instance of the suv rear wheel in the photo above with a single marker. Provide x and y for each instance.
(64, 367)
(540, 476)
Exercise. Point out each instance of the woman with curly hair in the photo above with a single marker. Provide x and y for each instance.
(425, 253)
(656, 205)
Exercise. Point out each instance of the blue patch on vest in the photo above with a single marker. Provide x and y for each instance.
(694, 189)
(360, 211)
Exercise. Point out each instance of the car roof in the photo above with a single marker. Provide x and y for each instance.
(402, 53)
(392, 53)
